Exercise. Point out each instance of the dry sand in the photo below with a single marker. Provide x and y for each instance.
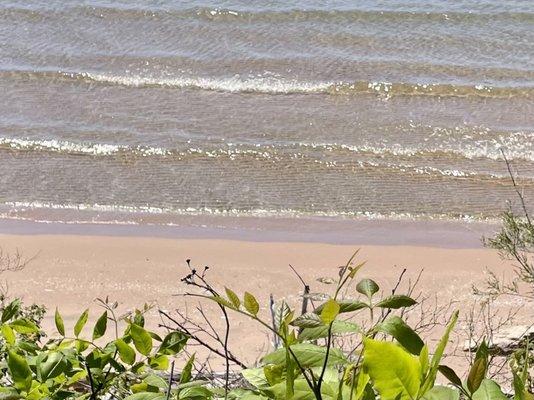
(70, 271)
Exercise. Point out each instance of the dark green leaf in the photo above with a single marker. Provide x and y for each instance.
(19, 370)
(405, 335)
(100, 326)
(173, 343)
(367, 287)
(10, 310)
(309, 320)
(396, 301)
(450, 375)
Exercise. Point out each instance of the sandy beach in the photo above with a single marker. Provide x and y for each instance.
(71, 271)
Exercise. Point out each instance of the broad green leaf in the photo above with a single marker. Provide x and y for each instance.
(338, 328)
(405, 335)
(78, 376)
(8, 334)
(142, 339)
(100, 326)
(396, 374)
(81, 345)
(60, 326)
(126, 353)
(195, 393)
(24, 326)
(489, 390)
(330, 311)
(251, 304)
(146, 396)
(232, 297)
(81, 323)
(442, 393)
(477, 373)
(309, 320)
(449, 373)
(367, 287)
(275, 374)
(396, 301)
(173, 343)
(308, 355)
(186, 371)
(345, 306)
(20, 371)
(159, 362)
(53, 365)
(156, 381)
(10, 310)
(256, 377)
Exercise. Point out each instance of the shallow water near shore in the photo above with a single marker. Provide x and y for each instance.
(112, 110)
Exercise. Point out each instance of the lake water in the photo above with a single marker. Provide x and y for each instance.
(133, 111)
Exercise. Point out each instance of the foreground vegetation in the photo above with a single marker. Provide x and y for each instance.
(387, 359)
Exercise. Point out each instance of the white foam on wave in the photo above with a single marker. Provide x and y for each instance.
(517, 146)
(235, 84)
(68, 147)
(19, 207)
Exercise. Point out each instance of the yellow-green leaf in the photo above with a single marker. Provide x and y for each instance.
(60, 326)
(330, 311)
(396, 374)
(81, 323)
(8, 334)
(126, 353)
(142, 339)
(232, 297)
(251, 304)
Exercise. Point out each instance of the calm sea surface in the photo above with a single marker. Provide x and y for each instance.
(136, 108)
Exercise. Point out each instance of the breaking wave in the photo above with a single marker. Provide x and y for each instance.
(279, 85)
(474, 150)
